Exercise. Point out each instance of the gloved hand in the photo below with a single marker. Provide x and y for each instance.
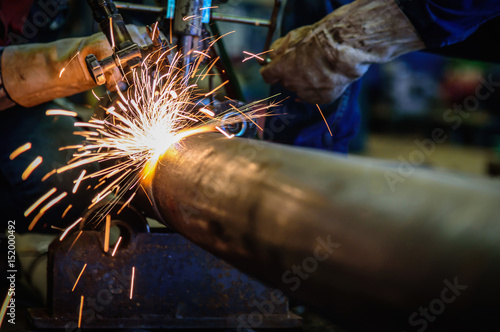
(319, 61)
(33, 73)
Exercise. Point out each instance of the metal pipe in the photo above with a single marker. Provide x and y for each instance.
(353, 236)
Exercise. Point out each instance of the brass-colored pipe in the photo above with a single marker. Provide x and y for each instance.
(353, 236)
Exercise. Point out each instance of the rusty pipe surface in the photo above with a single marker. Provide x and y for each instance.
(350, 235)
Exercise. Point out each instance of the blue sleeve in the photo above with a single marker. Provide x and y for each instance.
(446, 22)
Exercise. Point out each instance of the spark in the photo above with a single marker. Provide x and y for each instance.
(62, 70)
(216, 39)
(327, 126)
(44, 209)
(201, 53)
(39, 201)
(106, 233)
(61, 112)
(66, 211)
(5, 304)
(49, 174)
(207, 112)
(257, 56)
(80, 312)
(209, 68)
(132, 282)
(79, 276)
(155, 28)
(217, 88)
(116, 246)
(111, 33)
(19, 150)
(86, 124)
(185, 18)
(126, 203)
(78, 181)
(34, 164)
(96, 97)
(224, 133)
(63, 235)
(74, 241)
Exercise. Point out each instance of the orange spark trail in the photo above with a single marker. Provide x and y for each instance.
(210, 67)
(80, 313)
(207, 112)
(61, 112)
(111, 33)
(34, 164)
(44, 209)
(78, 181)
(132, 283)
(63, 235)
(96, 97)
(217, 88)
(255, 55)
(39, 201)
(46, 176)
(116, 246)
(66, 211)
(19, 150)
(106, 233)
(74, 241)
(62, 70)
(327, 126)
(79, 276)
(126, 203)
(214, 41)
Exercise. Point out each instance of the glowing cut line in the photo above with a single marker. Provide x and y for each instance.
(19, 150)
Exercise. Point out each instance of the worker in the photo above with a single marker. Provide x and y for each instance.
(322, 61)
(32, 75)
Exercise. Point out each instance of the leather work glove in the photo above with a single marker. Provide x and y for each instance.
(319, 61)
(36, 73)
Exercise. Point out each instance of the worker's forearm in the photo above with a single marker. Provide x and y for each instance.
(36, 73)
